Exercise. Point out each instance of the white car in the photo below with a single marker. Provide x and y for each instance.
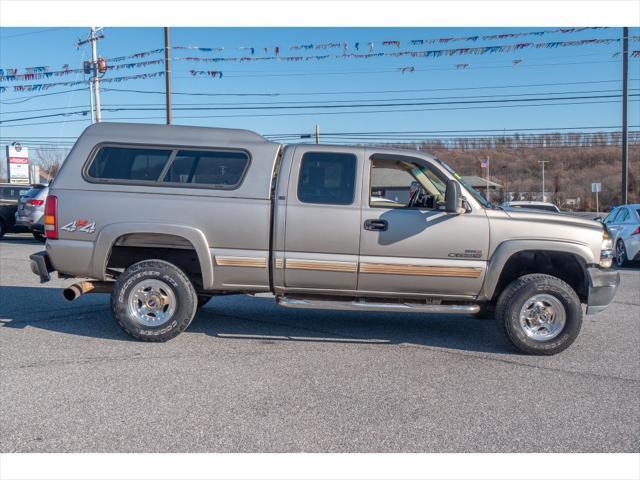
(546, 206)
(623, 225)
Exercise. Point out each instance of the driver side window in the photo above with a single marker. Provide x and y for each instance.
(397, 184)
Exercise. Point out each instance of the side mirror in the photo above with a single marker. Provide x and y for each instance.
(453, 197)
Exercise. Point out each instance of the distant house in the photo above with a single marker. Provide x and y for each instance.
(480, 184)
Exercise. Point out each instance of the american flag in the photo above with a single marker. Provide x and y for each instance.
(484, 163)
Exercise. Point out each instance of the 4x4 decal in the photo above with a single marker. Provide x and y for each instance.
(83, 226)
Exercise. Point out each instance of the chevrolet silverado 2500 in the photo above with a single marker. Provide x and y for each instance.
(167, 217)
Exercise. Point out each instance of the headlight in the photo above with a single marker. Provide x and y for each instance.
(606, 251)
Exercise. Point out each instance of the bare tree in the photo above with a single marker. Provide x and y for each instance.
(50, 160)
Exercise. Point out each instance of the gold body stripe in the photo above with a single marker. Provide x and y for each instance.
(352, 267)
(423, 270)
(321, 265)
(254, 262)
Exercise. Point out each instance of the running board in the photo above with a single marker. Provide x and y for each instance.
(375, 306)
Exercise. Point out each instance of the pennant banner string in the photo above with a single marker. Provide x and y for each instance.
(412, 53)
(358, 46)
(6, 76)
(46, 86)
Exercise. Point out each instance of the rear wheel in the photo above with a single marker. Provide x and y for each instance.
(540, 314)
(153, 301)
(39, 237)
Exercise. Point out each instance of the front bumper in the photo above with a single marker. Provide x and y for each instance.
(41, 266)
(603, 285)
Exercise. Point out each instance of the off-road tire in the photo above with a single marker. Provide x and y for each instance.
(185, 295)
(518, 292)
(203, 300)
(39, 237)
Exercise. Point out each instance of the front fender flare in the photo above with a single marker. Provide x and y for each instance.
(508, 248)
(109, 234)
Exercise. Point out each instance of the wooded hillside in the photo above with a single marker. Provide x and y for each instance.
(575, 160)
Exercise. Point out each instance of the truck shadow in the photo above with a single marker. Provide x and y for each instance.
(247, 319)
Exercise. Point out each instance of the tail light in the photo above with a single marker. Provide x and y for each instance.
(35, 203)
(636, 231)
(51, 217)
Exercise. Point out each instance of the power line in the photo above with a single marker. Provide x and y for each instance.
(404, 110)
(4, 37)
(26, 98)
(501, 132)
(324, 106)
(47, 109)
(487, 87)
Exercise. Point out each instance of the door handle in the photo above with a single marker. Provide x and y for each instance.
(376, 225)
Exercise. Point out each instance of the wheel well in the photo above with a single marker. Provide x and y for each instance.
(566, 266)
(135, 247)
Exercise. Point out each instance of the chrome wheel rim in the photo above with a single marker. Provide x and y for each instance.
(542, 317)
(620, 254)
(152, 303)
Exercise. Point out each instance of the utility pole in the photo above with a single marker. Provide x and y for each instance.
(543, 162)
(96, 79)
(487, 193)
(93, 68)
(317, 134)
(167, 73)
(93, 115)
(625, 126)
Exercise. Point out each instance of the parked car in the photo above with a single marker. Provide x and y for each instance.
(166, 217)
(623, 224)
(545, 206)
(9, 195)
(30, 212)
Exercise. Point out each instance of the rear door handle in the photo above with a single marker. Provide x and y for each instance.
(376, 225)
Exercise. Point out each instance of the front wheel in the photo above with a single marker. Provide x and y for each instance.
(153, 301)
(621, 254)
(540, 314)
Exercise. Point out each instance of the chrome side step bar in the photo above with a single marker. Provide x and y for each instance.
(374, 306)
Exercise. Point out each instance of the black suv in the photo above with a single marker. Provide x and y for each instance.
(9, 196)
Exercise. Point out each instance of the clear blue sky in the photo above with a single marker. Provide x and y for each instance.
(21, 47)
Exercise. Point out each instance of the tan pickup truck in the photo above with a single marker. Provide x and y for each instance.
(167, 217)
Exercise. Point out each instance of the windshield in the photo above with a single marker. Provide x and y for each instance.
(476, 194)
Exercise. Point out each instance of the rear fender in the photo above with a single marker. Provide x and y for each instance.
(109, 234)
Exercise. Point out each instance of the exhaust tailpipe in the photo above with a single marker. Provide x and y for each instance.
(80, 288)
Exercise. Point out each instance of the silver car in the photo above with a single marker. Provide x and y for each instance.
(623, 225)
(544, 206)
(30, 212)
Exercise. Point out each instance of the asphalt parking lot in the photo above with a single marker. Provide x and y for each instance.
(248, 376)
